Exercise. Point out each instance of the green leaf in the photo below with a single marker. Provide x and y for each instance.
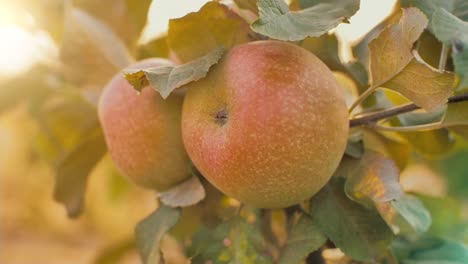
(373, 179)
(91, 53)
(406, 215)
(234, 241)
(355, 146)
(460, 61)
(457, 7)
(304, 238)
(412, 210)
(188, 192)
(278, 22)
(425, 86)
(151, 230)
(166, 79)
(428, 250)
(198, 33)
(447, 27)
(358, 232)
(391, 51)
(451, 30)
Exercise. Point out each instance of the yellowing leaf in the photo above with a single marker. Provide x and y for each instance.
(198, 33)
(155, 48)
(167, 78)
(188, 192)
(456, 118)
(456, 114)
(396, 150)
(373, 179)
(425, 86)
(91, 53)
(429, 143)
(71, 140)
(73, 169)
(126, 18)
(390, 52)
(278, 22)
(247, 4)
(452, 30)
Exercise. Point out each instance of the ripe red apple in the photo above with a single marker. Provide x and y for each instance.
(143, 132)
(268, 125)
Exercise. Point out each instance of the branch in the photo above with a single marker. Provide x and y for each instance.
(370, 119)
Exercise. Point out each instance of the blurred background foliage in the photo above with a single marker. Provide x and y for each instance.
(54, 61)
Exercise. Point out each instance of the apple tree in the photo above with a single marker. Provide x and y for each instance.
(404, 99)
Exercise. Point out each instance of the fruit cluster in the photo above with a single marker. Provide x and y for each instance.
(268, 126)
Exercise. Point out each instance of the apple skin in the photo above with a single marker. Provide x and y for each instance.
(268, 125)
(143, 132)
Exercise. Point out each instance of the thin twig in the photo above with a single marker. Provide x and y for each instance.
(371, 119)
(362, 97)
(443, 57)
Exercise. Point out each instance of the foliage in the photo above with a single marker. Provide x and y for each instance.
(364, 210)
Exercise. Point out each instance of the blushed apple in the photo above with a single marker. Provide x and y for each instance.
(143, 132)
(268, 125)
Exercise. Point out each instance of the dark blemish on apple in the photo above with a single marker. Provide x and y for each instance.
(221, 117)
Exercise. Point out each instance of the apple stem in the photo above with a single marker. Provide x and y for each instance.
(371, 119)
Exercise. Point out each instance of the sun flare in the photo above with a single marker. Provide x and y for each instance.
(17, 50)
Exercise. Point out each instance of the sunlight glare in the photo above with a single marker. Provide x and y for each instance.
(17, 50)
(371, 13)
(161, 11)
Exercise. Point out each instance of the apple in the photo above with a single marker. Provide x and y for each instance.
(143, 132)
(268, 125)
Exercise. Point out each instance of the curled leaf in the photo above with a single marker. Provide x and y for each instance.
(198, 33)
(390, 52)
(278, 22)
(166, 79)
(425, 86)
